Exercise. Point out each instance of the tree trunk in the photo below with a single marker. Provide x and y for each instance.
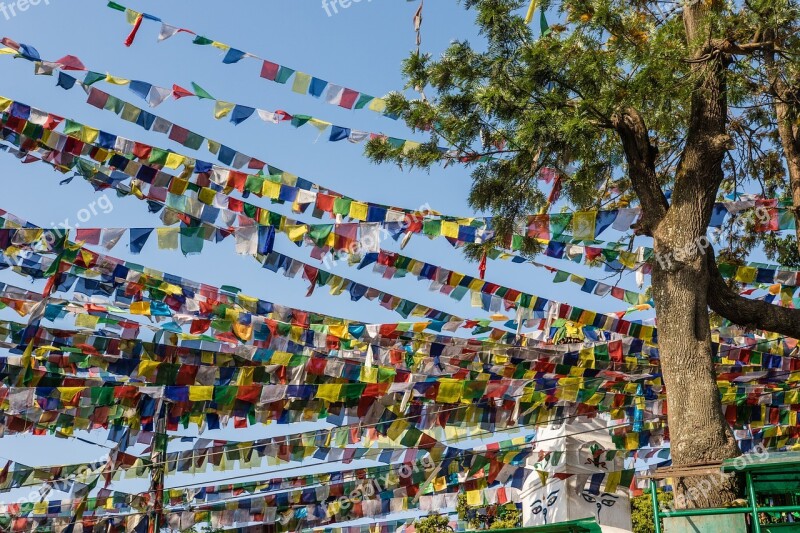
(785, 113)
(698, 430)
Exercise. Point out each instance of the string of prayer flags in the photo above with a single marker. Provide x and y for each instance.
(405, 308)
(237, 113)
(280, 186)
(302, 83)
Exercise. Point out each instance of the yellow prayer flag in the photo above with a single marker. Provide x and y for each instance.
(174, 160)
(474, 498)
(746, 274)
(358, 210)
(207, 195)
(270, 189)
(281, 358)
(612, 481)
(131, 16)
(243, 331)
(330, 392)
(583, 225)
(68, 394)
(221, 109)
(369, 375)
(89, 135)
(397, 429)
(147, 367)
(140, 308)
(321, 125)
(295, 233)
(628, 259)
(116, 81)
(378, 105)
(410, 145)
(301, 82)
(201, 393)
(167, 238)
(338, 331)
(449, 390)
(86, 321)
(246, 374)
(449, 229)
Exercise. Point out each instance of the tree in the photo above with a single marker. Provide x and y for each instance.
(642, 511)
(498, 517)
(435, 523)
(631, 99)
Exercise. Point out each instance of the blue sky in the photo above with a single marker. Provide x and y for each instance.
(361, 47)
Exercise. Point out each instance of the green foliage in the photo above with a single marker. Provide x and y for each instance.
(435, 523)
(642, 511)
(503, 516)
(518, 102)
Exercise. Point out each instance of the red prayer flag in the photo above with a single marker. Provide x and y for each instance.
(269, 70)
(349, 97)
(132, 35)
(70, 63)
(179, 92)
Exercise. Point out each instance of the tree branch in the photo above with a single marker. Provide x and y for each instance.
(641, 157)
(745, 312)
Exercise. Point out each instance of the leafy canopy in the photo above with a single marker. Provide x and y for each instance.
(527, 101)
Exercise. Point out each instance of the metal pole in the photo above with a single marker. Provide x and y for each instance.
(751, 495)
(158, 456)
(656, 510)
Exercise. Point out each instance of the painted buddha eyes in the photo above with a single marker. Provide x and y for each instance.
(605, 499)
(537, 506)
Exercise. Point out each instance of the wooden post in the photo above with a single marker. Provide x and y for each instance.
(158, 456)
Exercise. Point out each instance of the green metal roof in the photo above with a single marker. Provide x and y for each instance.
(774, 461)
(585, 525)
(777, 473)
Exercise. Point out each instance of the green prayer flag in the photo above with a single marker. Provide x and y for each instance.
(225, 395)
(158, 156)
(130, 112)
(71, 127)
(543, 25)
(561, 276)
(201, 93)
(93, 77)
(118, 7)
(192, 240)
(412, 437)
(363, 100)
(202, 41)
(432, 228)
(193, 141)
(299, 120)
(341, 206)
(254, 184)
(284, 74)
(559, 223)
(319, 233)
(114, 104)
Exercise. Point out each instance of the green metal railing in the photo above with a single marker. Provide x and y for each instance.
(752, 508)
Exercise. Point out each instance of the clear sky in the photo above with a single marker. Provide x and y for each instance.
(360, 47)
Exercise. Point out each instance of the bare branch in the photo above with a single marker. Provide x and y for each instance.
(755, 314)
